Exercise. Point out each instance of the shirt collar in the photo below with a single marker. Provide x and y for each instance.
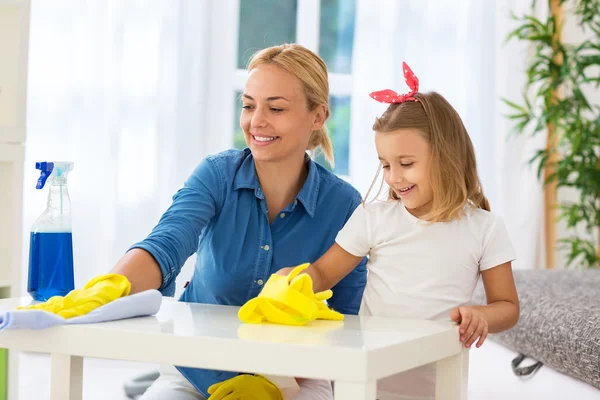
(246, 178)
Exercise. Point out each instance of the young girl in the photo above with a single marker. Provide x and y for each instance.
(432, 239)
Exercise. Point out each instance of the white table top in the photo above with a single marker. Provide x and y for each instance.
(210, 336)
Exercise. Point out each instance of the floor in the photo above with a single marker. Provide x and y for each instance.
(102, 379)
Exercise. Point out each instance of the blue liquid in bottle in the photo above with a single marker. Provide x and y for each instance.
(50, 264)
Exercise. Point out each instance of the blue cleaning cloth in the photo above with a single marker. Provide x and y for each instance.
(136, 305)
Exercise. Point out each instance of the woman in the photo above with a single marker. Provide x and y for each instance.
(248, 213)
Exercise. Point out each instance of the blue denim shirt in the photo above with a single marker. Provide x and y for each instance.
(221, 214)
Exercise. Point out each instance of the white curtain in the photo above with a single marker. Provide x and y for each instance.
(117, 87)
(519, 194)
(458, 49)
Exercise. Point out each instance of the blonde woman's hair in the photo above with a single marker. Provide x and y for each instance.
(454, 177)
(311, 70)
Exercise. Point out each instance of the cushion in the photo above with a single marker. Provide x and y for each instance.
(560, 321)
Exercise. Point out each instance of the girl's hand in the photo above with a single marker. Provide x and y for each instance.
(473, 325)
(285, 271)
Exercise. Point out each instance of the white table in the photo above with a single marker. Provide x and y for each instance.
(353, 353)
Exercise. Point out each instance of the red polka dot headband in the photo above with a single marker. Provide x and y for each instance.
(391, 97)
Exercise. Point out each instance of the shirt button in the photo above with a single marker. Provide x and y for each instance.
(282, 215)
(260, 282)
(266, 247)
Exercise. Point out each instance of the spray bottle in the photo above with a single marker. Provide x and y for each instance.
(51, 239)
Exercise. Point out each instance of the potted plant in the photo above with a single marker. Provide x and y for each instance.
(554, 102)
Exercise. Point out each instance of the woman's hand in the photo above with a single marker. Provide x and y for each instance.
(245, 386)
(473, 325)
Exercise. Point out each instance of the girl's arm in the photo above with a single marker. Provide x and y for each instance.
(352, 243)
(502, 310)
(328, 270)
(500, 313)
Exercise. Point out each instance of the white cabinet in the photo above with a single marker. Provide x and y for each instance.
(14, 48)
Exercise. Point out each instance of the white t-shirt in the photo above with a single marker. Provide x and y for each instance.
(420, 270)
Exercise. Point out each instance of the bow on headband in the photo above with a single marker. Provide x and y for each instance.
(391, 97)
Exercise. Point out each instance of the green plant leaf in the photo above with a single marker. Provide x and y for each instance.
(559, 78)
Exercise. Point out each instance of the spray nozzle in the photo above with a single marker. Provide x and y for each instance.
(46, 168)
(56, 171)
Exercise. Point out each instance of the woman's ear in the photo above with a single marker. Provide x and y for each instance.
(319, 117)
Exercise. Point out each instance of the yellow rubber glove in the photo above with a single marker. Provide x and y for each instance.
(324, 311)
(245, 387)
(288, 300)
(280, 302)
(97, 292)
(304, 284)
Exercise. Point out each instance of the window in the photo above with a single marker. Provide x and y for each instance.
(264, 23)
(326, 26)
(338, 126)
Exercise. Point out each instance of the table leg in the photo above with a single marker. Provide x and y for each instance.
(66, 377)
(355, 390)
(13, 374)
(452, 377)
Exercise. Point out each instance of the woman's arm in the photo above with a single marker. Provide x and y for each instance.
(141, 269)
(501, 312)
(155, 262)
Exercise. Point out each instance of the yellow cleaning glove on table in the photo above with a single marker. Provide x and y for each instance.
(289, 300)
(247, 387)
(97, 292)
